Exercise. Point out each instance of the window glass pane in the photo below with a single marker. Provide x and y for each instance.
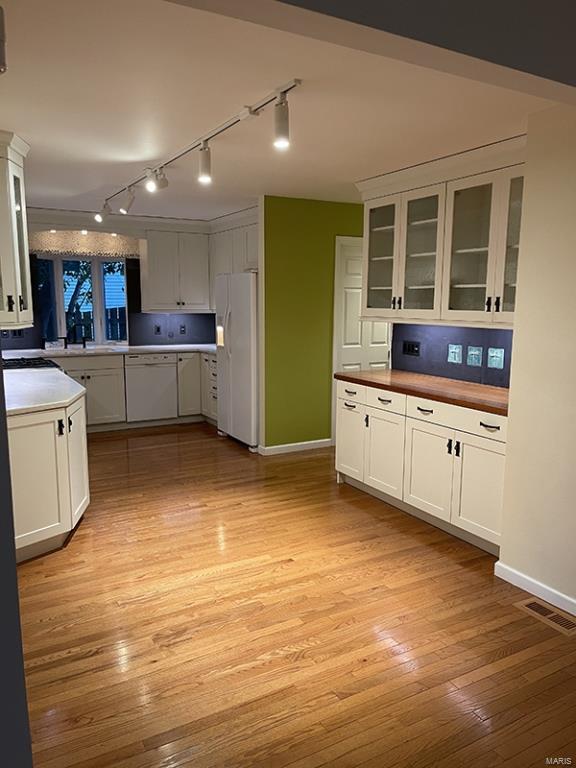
(45, 297)
(78, 300)
(114, 284)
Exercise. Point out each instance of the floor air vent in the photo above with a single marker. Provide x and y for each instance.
(561, 621)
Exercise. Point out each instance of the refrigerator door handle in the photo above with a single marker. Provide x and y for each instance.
(227, 340)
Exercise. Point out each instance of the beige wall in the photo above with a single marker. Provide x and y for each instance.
(539, 537)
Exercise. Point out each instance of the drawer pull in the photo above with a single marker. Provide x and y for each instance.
(384, 400)
(491, 427)
(426, 411)
(350, 391)
(350, 405)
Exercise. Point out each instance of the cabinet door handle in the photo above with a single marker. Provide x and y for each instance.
(384, 400)
(70, 422)
(491, 427)
(350, 405)
(393, 302)
(449, 446)
(497, 304)
(21, 303)
(10, 302)
(88, 377)
(427, 411)
(399, 302)
(457, 448)
(350, 391)
(367, 420)
(489, 304)
(60, 427)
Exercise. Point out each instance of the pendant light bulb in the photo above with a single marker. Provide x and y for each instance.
(205, 164)
(130, 197)
(150, 183)
(161, 179)
(281, 123)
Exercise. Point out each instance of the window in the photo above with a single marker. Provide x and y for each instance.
(82, 298)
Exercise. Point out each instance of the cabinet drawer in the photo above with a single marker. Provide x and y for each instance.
(464, 419)
(385, 400)
(347, 391)
(89, 362)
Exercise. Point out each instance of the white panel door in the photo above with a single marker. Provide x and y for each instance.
(160, 277)
(358, 345)
(42, 502)
(106, 397)
(239, 250)
(77, 460)
(350, 438)
(189, 385)
(194, 279)
(428, 467)
(478, 485)
(252, 246)
(384, 452)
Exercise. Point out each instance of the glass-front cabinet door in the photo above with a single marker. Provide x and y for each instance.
(420, 271)
(509, 251)
(20, 236)
(471, 244)
(382, 225)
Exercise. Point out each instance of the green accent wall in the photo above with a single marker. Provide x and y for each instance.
(300, 242)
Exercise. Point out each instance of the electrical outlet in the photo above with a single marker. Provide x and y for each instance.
(157, 330)
(182, 330)
(5, 334)
(411, 348)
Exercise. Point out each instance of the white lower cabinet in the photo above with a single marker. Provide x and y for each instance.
(384, 452)
(49, 446)
(103, 378)
(478, 486)
(351, 431)
(189, 384)
(455, 476)
(429, 467)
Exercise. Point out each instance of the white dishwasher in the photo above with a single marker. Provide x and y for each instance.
(151, 386)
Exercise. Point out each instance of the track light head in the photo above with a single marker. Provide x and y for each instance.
(281, 123)
(130, 197)
(204, 164)
(151, 184)
(101, 215)
(161, 179)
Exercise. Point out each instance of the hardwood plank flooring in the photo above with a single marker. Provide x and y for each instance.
(219, 609)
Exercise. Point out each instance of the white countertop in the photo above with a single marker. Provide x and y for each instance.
(116, 349)
(39, 390)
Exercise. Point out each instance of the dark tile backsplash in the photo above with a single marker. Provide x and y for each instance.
(142, 327)
(432, 342)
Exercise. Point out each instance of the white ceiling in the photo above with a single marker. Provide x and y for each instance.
(102, 89)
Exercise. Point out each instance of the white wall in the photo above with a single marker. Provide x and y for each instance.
(539, 536)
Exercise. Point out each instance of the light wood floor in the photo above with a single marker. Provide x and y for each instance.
(216, 608)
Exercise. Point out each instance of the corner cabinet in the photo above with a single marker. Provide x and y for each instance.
(402, 275)
(175, 273)
(15, 287)
(447, 252)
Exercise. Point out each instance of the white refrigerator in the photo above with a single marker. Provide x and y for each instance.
(237, 355)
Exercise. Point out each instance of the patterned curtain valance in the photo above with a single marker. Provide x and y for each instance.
(73, 244)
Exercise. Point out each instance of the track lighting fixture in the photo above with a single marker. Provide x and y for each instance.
(155, 178)
(151, 183)
(106, 211)
(130, 197)
(281, 122)
(204, 164)
(161, 179)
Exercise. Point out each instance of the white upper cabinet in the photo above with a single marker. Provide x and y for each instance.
(402, 276)
(175, 273)
(447, 252)
(15, 287)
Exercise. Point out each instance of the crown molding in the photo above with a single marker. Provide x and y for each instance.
(234, 220)
(500, 154)
(133, 226)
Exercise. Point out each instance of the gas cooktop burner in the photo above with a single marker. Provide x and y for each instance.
(28, 362)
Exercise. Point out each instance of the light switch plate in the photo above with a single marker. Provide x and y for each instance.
(455, 353)
(496, 358)
(474, 357)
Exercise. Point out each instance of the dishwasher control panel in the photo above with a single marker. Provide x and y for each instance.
(159, 358)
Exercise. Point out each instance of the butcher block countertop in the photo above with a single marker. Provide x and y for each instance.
(467, 394)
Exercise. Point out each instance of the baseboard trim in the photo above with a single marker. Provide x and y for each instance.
(309, 445)
(535, 587)
(119, 426)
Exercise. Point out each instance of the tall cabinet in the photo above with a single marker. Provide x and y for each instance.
(15, 287)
